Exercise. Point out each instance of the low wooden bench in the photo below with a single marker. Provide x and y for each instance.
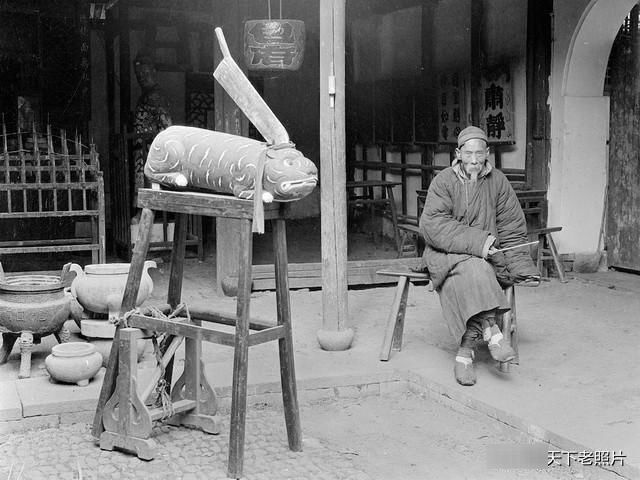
(395, 321)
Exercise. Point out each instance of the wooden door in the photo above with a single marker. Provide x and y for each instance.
(623, 210)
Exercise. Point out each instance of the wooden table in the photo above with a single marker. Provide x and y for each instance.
(368, 198)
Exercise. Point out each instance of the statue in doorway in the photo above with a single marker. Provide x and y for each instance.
(151, 116)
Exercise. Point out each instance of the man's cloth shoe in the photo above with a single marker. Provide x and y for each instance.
(499, 348)
(464, 370)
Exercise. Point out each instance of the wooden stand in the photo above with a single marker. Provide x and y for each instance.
(122, 420)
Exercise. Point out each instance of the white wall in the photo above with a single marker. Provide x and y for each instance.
(584, 31)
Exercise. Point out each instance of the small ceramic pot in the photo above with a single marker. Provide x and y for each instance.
(73, 362)
(100, 287)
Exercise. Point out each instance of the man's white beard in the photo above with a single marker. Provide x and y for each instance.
(474, 176)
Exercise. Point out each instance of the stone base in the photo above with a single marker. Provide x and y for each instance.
(335, 340)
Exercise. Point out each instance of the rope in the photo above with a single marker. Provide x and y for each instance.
(162, 389)
(258, 206)
(163, 399)
(124, 321)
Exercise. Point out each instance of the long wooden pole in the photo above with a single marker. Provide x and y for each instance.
(335, 333)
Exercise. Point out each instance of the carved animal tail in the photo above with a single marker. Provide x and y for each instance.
(258, 206)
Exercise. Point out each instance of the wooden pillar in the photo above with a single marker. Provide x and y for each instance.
(111, 72)
(335, 334)
(539, 34)
(125, 64)
(477, 58)
(228, 118)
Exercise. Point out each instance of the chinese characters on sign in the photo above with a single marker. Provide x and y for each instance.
(85, 65)
(496, 107)
(598, 458)
(452, 105)
(274, 44)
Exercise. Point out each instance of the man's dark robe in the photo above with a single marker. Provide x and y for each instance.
(458, 217)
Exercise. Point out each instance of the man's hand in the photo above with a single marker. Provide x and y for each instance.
(489, 249)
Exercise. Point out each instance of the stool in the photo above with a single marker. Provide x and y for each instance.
(395, 321)
(122, 419)
(547, 251)
(411, 243)
(385, 201)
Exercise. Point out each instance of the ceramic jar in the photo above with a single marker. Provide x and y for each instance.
(73, 362)
(100, 287)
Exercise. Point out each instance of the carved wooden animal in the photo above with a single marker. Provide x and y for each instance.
(194, 157)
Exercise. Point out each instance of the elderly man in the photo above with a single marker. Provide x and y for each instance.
(471, 211)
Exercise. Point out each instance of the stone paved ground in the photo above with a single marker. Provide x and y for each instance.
(400, 436)
(69, 452)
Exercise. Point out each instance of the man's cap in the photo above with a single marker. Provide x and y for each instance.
(471, 133)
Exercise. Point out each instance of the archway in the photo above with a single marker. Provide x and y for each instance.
(580, 119)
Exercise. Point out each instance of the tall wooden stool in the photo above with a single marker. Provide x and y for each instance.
(395, 321)
(122, 419)
(547, 251)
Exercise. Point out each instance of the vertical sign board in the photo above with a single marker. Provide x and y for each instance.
(453, 105)
(85, 65)
(274, 44)
(496, 105)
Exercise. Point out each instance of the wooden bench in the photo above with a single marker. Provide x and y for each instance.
(51, 179)
(395, 321)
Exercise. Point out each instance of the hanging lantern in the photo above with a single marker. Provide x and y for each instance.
(274, 44)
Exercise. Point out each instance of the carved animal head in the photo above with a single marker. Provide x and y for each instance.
(288, 175)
